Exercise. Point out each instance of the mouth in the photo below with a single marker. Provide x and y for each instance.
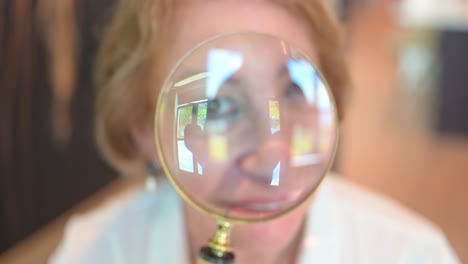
(259, 206)
(265, 207)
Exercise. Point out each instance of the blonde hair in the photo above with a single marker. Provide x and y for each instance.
(132, 47)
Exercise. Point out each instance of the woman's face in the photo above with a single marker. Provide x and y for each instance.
(246, 162)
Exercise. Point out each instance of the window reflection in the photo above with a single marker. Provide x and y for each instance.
(191, 118)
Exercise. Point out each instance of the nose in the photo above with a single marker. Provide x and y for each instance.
(264, 164)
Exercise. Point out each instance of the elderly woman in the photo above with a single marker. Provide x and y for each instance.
(341, 224)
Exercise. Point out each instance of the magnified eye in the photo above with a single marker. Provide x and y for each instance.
(221, 108)
(294, 93)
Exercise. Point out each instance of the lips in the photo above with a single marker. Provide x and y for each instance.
(265, 206)
(259, 206)
(252, 209)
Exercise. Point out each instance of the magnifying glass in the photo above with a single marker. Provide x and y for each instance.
(246, 129)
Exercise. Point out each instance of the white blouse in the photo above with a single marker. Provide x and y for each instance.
(349, 225)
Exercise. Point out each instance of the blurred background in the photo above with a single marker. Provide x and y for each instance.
(405, 134)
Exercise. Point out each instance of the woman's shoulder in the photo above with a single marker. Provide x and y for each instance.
(359, 201)
(120, 225)
(373, 228)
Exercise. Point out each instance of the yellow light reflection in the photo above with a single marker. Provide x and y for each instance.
(302, 142)
(273, 107)
(218, 147)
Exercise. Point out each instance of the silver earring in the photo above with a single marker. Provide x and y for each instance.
(151, 183)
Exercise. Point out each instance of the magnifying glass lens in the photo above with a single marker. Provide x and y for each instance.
(246, 127)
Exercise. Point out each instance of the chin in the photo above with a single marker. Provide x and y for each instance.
(272, 234)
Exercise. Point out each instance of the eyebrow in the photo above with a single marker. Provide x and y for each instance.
(196, 75)
(235, 79)
(282, 71)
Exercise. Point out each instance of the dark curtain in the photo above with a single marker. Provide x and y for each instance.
(452, 90)
(39, 179)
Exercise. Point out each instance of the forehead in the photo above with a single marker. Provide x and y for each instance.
(198, 20)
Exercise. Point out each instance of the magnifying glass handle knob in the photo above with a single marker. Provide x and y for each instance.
(206, 256)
